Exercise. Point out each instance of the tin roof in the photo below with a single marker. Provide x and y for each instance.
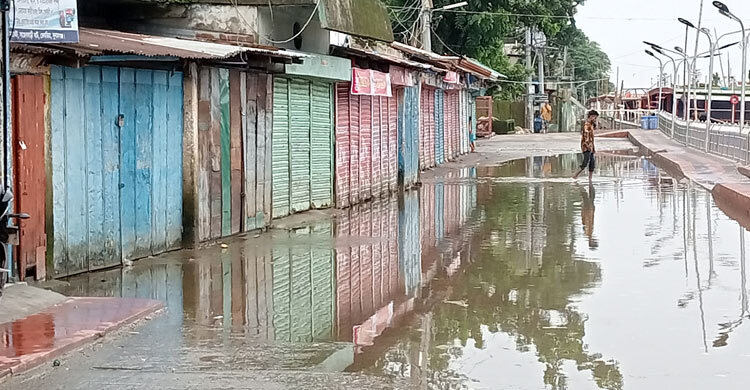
(464, 64)
(97, 42)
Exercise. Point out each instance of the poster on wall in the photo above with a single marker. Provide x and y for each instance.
(371, 83)
(44, 21)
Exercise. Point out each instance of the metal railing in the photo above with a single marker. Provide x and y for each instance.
(724, 140)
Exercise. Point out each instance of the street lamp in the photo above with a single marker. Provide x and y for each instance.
(686, 88)
(707, 106)
(661, 73)
(659, 50)
(724, 10)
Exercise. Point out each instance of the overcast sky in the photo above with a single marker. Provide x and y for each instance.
(620, 26)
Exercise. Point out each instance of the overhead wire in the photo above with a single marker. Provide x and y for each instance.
(312, 15)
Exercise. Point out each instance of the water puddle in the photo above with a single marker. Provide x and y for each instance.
(510, 276)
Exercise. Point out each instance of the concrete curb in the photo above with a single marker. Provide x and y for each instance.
(660, 158)
(734, 201)
(16, 365)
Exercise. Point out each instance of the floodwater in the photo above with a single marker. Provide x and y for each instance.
(506, 277)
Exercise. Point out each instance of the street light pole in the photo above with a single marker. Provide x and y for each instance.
(661, 73)
(724, 10)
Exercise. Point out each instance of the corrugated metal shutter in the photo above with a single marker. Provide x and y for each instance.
(321, 153)
(302, 145)
(376, 156)
(439, 126)
(280, 148)
(343, 145)
(432, 128)
(393, 143)
(365, 148)
(299, 143)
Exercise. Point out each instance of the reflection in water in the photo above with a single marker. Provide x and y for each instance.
(587, 214)
(496, 277)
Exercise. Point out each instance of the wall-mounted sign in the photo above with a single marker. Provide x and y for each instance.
(451, 78)
(44, 21)
(371, 83)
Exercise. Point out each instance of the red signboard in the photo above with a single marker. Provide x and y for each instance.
(734, 99)
(361, 82)
(370, 83)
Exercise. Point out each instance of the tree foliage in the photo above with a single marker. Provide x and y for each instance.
(481, 29)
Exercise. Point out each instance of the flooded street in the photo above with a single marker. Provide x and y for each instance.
(502, 277)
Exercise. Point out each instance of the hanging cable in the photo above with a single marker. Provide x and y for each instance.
(315, 10)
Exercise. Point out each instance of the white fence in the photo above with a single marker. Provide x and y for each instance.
(724, 140)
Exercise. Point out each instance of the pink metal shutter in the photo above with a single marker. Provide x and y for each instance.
(365, 148)
(342, 145)
(375, 160)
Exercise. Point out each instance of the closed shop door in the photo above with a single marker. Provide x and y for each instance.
(427, 131)
(366, 135)
(234, 158)
(30, 178)
(116, 165)
(302, 145)
(439, 129)
(408, 135)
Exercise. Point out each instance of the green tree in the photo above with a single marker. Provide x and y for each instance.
(481, 29)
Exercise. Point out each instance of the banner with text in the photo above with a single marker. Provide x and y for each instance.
(371, 83)
(44, 21)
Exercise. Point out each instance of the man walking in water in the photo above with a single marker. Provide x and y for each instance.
(587, 144)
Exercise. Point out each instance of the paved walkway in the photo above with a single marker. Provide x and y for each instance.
(66, 325)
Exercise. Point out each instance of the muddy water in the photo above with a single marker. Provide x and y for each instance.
(490, 278)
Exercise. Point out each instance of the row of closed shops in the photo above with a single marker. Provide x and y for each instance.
(122, 159)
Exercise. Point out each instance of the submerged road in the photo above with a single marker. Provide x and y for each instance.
(498, 273)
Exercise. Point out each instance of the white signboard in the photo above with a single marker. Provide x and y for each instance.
(44, 21)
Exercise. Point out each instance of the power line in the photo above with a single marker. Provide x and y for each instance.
(312, 14)
(569, 17)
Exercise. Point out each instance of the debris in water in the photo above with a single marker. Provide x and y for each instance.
(462, 303)
(56, 363)
(224, 246)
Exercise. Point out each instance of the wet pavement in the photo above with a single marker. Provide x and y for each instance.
(499, 277)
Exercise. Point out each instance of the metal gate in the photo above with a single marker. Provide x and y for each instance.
(302, 151)
(116, 165)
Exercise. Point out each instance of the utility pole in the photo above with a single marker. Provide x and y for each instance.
(540, 60)
(427, 25)
(530, 81)
(695, 60)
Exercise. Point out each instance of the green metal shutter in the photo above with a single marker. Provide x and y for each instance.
(299, 138)
(321, 131)
(280, 148)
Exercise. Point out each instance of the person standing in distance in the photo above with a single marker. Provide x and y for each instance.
(587, 144)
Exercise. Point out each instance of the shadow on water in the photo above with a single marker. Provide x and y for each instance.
(509, 276)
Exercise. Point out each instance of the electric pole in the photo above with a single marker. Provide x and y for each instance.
(540, 60)
(529, 85)
(427, 25)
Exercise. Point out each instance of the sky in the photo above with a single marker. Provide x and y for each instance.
(621, 26)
